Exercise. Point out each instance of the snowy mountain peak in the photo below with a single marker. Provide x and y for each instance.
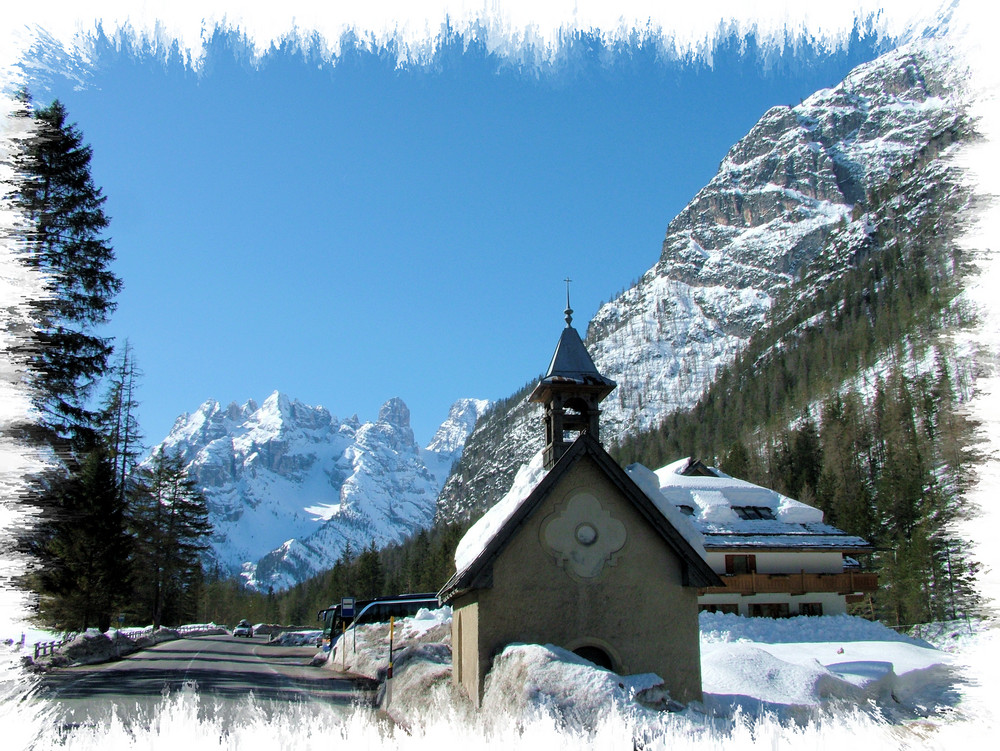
(288, 485)
(276, 402)
(395, 412)
(235, 412)
(454, 431)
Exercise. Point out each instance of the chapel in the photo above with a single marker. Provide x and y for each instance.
(578, 555)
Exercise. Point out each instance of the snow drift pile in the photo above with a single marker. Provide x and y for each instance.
(794, 669)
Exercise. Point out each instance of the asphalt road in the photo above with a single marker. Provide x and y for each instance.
(223, 672)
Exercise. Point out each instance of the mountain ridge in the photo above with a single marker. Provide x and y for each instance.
(290, 487)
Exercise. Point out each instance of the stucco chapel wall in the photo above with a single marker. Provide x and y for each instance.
(634, 608)
(466, 666)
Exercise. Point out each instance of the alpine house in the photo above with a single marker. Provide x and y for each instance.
(776, 555)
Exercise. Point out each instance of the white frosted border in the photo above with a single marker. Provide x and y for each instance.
(531, 33)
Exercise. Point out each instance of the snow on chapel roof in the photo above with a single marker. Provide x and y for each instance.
(475, 540)
(710, 510)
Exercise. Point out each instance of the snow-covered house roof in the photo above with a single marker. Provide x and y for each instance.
(487, 538)
(733, 513)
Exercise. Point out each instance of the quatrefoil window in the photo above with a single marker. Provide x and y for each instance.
(582, 536)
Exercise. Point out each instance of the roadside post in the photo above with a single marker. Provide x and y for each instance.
(388, 675)
(346, 612)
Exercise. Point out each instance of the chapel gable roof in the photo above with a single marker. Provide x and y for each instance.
(478, 573)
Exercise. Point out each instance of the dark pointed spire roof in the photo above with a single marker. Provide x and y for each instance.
(571, 363)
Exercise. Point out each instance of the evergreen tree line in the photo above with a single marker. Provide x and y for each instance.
(889, 462)
(891, 469)
(421, 563)
(112, 538)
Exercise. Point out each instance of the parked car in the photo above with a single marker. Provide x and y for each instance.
(243, 628)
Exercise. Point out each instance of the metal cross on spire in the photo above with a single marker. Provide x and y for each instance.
(569, 310)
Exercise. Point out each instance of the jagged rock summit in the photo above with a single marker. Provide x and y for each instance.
(289, 486)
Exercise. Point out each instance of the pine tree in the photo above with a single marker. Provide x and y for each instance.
(369, 572)
(117, 420)
(79, 539)
(84, 552)
(83, 542)
(845, 485)
(736, 461)
(170, 517)
(66, 221)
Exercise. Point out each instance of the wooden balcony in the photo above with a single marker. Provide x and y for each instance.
(846, 583)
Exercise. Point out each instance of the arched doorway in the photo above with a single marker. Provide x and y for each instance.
(595, 655)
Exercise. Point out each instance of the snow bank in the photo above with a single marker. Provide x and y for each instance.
(791, 670)
(795, 666)
(422, 691)
(200, 629)
(364, 650)
(745, 675)
(93, 647)
(295, 638)
(827, 628)
(531, 679)
(424, 621)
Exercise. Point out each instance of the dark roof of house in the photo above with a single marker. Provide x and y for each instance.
(478, 574)
(697, 468)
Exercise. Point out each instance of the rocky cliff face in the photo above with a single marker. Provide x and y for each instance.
(789, 196)
(289, 486)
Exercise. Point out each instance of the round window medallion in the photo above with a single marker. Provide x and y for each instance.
(586, 534)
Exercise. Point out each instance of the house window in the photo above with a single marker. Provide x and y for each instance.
(754, 512)
(810, 608)
(769, 610)
(741, 564)
(725, 607)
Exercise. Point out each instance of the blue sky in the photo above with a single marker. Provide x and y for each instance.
(351, 232)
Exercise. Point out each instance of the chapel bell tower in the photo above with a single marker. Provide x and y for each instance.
(571, 391)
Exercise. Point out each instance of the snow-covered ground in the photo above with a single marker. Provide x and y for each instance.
(795, 670)
(814, 680)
